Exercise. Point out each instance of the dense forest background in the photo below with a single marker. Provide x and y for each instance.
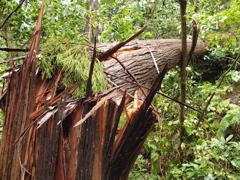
(211, 148)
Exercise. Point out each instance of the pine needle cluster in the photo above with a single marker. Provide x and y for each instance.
(74, 60)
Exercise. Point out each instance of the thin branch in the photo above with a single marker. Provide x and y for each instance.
(4, 22)
(19, 149)
(4, 37)
(31, 38)
(211, 95)
(13, 59)
(14, 49)
(24, 132)
(175, 100)
(114, 49)
(123, 90)
(196, 29)
(130, 74)
(10, 69)
(89, 82)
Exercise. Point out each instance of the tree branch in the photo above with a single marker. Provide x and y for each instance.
(175, 100)
(89, 82)
(196, 29)
(13, 59)
(114, 49)
(211, 95)
(4, 22)
(14, 49)
(130, 74)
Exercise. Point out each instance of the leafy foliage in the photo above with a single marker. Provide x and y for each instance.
(75, 62)
(220, 27)
(214, 159)
(222, 117)
(122, 18)
(230, 121)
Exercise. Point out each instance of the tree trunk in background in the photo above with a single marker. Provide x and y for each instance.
(93, 8)
(184, 62)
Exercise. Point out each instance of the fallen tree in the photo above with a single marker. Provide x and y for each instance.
(144, 60)
(50, 135)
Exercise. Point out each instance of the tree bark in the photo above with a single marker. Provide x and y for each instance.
(92, 33)
(185, 53)
(138, 57)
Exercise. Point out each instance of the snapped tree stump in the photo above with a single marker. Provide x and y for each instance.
(39, 140)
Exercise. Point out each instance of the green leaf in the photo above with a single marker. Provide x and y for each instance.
(231, 119)
(235, 163)
(229, 138)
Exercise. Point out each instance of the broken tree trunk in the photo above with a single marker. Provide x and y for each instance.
(39, 141)
(45, 145)
(49, 135)
(144, 59)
